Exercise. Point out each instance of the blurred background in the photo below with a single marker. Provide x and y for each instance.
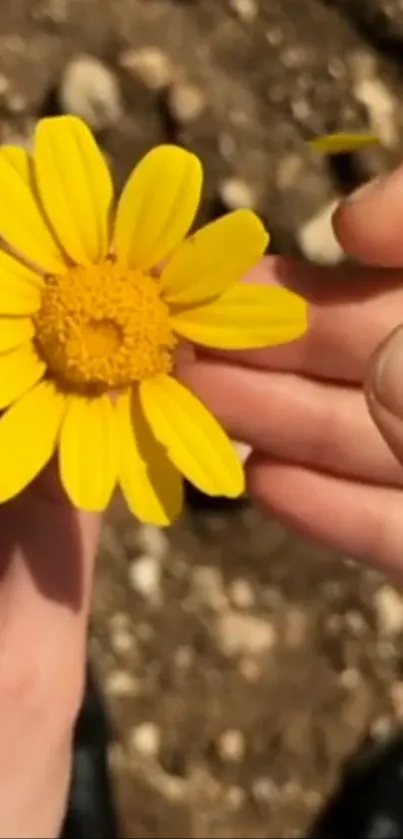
(240, 665)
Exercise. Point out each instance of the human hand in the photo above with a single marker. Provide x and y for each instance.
(46, 558)
(320, 461)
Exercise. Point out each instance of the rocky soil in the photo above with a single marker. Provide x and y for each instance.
(241, 665)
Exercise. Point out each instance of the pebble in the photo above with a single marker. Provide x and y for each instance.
(90, 90)
(381, 107)
(122, 641)
(236, 194)
(264, 790)
(145, 578)
(185, 102)
(120, 684)
(208, 587)
(150, 64)
(232, 746)
(350, 678)
(247, 10)
(145, 739)
(241, 594)
(389, 611)
(316, 238)
(382, 728)
(244, 634)
(152, 540)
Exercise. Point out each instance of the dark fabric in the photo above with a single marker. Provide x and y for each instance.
(369, 801)
(91, 812)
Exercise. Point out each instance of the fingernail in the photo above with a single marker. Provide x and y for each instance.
(367, 190)
(388, 374)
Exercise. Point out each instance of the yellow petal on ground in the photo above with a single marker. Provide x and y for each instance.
(20, 287)
(214, 258)
(20, 369)
(22, 223)
(342, 142)
(153, 488)
(15, 331)
(245, 317)
(89, 451)
(74, 185)
(28, 434)
(157, 206)
(194, 441)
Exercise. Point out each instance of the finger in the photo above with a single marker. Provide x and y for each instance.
(351, 310)
(385, 391)
(297, 419)
(47, 553)
(359, 520)
(369, 223)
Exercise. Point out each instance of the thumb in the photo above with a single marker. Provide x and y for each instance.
(384, 391)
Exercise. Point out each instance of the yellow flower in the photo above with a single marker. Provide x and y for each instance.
(89, 327)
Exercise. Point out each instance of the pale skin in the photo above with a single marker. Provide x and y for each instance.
(325, 417)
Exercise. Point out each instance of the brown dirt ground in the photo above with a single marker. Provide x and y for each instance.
(242, 665)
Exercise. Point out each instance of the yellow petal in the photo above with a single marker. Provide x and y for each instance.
(20, 369)
(343, 141)
(22, 223)
(214, 258)
(157, 206)
(15, 331)
(89, 452)
(75, 186)
(195, 442)
(20, 287)
(28, 433)
(246, 316)
(153, 488)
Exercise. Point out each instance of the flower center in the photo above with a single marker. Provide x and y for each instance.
(104, 327)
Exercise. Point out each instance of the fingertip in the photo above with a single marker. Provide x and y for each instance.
(368, 223)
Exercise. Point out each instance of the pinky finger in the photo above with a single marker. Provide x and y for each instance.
(360, 520)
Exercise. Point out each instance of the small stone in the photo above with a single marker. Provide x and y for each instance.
(186, 102)
(232, 746)
(145, 578)
(389, 611)
(145, 739)
(236, 194)
(120, 684)
(288, 171)
(122, 641)
(246, 10)
(381, 728)
(244, 634)
(235, 797)
(355, 622)
(381, 107)
(241, 594)
(15, 103)
(91, 91)
(250, 670)
(264, 790)
(317, 240)
(153, 541)
(208, 587)
(350, 678)
(150, 64)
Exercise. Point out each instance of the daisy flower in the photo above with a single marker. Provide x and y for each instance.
(90, 328)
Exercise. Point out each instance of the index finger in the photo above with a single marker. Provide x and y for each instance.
(351, 310)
